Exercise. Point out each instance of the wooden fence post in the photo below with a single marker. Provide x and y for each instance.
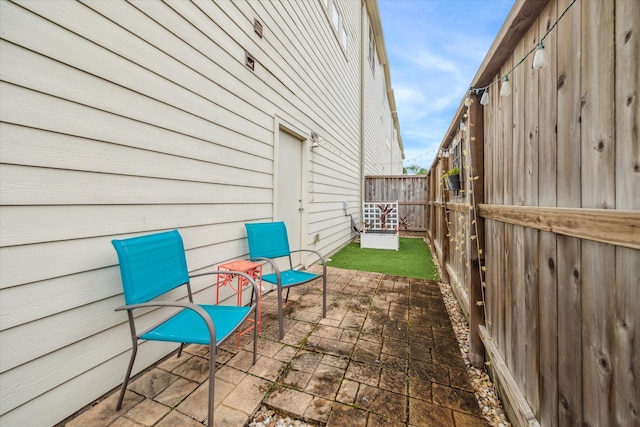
(431, 229)
(476, 258)
(444, 226)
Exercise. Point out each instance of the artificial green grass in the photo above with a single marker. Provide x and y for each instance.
(414, 259)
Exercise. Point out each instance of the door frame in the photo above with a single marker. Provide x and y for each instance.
(304, 135)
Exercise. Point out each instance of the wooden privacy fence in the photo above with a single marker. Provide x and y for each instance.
(409, 190)
(542, 244)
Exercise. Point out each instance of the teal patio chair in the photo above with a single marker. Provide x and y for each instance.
(268, 241)
(150, 267)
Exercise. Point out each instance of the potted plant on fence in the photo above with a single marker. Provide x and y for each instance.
(452, 179)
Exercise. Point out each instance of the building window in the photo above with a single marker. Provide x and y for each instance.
(338, 24)
(344, 37)
(384, 92)
(335, 18)
(372, 49)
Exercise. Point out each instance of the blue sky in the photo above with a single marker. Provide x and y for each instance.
(435, 48)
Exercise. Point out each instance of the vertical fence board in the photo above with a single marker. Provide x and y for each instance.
(530, 242)
(627, 295)
(627, 105)
(598, 191)
(518, 304)
(531, 319)
(516, 265)
(495, 287)
(548, 113)
(597, 351)
(598, 131)
(548, 308)
(491, 167)
(502, 156)
(627, 338)
(569, 195)
(547, 170)
(569, 332)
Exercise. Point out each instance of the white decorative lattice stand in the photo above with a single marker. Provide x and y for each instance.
(381, 226)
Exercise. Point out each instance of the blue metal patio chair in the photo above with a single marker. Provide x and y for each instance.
(268, 241)
(150, 267)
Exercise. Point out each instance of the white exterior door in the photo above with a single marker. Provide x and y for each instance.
(290, 196)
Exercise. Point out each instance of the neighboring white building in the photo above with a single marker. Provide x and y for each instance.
(119, 119)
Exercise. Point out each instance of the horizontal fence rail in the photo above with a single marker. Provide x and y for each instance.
(614, 227)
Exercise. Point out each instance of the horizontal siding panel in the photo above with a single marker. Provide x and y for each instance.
(28, 381)
(334, 181)
(18, 305)
(57, 404)
(75, 341)
(280, 60)
(31, 263)
(330, 197)
(297, 32)
(109, 50)
(31, 147)
(329, 218)
(334, 160)
(326, 163)
(192, 57)
(225, 33)
(330, 191)
(150, 98)
(92, 249)
(32, 109)
(287, 54)
(32, 340)
(25, 224)
(38, 186)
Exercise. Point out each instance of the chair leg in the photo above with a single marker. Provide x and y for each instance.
(324, 296)
(280, 320)
(256, 319)
(212, 381)
(287, 298)
(134, 351)
(180, 349)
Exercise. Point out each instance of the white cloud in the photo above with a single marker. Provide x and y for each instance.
(435, 48)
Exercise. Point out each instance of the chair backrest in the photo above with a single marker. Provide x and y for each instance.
(151, 265)
(267, 240)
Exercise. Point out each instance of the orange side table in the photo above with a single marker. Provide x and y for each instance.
(253, 270)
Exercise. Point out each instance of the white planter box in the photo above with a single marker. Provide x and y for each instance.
(380, 241)
(380, 216)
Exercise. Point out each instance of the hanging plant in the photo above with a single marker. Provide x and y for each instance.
(452, 179)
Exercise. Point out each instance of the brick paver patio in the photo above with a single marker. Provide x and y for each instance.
(385, 355)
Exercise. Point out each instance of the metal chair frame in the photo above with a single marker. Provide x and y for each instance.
(205, 312)
(277, 233)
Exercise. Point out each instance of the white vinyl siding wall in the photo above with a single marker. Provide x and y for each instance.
(383, 155)
(119, 119)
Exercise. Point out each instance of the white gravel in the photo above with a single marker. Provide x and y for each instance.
(266, 417)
